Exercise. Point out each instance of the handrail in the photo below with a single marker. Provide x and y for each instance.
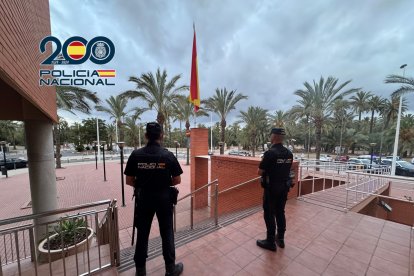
(239, 185)
(54, 212)
(195, 191)
(384, 176)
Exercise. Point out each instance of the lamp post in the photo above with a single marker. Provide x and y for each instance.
(121, 147)
(4, 171)
(95, 148)
(397, 130)
(372, 151)
(221, 146)
(103, 156)
(188, 134)
(176, 147)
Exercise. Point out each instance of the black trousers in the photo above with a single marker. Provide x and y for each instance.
(147, 206)
(274, 202)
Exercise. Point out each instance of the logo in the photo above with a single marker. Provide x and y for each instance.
(75, 51)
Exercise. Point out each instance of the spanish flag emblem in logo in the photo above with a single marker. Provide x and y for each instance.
(76, 50)
(106, 73)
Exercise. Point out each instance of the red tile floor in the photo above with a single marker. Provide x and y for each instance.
(319, 241)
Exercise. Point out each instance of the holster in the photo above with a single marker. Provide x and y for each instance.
(264, 182)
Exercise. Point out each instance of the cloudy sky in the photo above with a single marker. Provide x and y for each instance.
(263, 49)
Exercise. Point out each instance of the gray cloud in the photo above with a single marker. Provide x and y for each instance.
(264, 49)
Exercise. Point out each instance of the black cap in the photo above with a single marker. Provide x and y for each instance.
(278, 131)
(154, 128)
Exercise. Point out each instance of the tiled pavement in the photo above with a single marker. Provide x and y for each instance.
(81, 184)
(319, 241)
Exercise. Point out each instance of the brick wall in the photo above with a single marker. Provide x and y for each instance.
(233, 170)
(318, 184)
(402, 212)
(199, 169)
(23, 24)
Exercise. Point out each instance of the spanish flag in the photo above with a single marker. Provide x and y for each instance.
(194, 87)
(106, 73)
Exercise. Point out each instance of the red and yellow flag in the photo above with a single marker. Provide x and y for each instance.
(194, 87)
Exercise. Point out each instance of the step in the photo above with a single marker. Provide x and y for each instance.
(184, 236)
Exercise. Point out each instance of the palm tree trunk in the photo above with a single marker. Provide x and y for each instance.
(223, 129)
(318, 134)
(372, 121)
(160, 118)
(254, 144)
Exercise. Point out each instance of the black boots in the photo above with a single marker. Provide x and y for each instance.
(268, 243)
(280, 241)
(174, 269)
(140, 271)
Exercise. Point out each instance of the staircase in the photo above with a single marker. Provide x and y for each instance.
(184, 236)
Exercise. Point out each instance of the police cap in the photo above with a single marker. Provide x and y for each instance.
(154, 128)
(278, 131)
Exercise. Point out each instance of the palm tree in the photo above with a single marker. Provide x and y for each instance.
(303, 110)
(407, 84)
(116, 109)
(389, 109)
(253, 118)
(156, 91)
(322, 95)
(222, 103)
(407, 134)
(183, 110)
(279, 118)
(375, 103)
(71, 99)
(132, 129)
(360, 102)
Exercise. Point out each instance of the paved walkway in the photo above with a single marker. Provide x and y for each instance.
(78, 184)
(319, 241)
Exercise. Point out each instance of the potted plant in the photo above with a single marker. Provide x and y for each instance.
(70, 236)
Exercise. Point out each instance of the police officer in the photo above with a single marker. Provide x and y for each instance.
(151, 170)
(275, 172)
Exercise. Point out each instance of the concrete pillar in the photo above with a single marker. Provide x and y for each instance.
(40, 153)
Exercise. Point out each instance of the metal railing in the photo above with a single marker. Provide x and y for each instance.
(19, 242)
(213, 195)
(192, 195)
(362, 185)
(332, 170)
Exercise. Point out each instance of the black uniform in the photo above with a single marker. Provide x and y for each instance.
(276, 165)
(153, 167)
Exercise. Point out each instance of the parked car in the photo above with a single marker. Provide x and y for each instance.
(342, 158)
(239, 153)
(12, 163)
(412, 161)
(358, 164)
(325, 157)
(402, 168)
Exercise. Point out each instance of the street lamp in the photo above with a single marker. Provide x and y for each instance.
(4, 169)
(221, 147)
(176, 147)
(188, 134)
(103, 156)
(372, 151)
(121, 147)
(95, 148)
(397, 130)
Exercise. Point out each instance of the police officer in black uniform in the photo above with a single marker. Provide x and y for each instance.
(151, 170)
(275, 172)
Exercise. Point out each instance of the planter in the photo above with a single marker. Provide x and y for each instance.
(71, 250)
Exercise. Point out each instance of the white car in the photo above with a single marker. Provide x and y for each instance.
(325, 158)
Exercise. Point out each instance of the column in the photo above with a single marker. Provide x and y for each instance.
(40, 153)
